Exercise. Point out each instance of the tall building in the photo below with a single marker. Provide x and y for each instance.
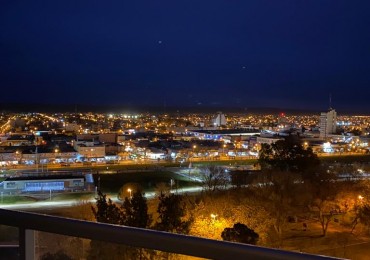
(219, 120)
(328, 123)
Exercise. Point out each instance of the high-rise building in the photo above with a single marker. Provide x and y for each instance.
(328, 123)
(219, 120)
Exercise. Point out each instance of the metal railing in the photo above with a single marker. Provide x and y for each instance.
(27, 223)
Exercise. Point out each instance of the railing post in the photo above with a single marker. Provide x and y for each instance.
(26, 244)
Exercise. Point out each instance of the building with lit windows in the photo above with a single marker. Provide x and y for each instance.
(44, 183)
(219, 120)
(328, 123)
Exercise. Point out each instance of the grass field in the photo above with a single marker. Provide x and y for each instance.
(75, 195)
(16, 199)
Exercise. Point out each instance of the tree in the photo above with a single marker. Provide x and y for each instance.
(287, 155)
(135, 211)
(362, 216)
(326, 210)
(162, 187)
(240, 233)
(212, 213)
(214, 178)
(172, 214)
(276, 190)
(135, 214)
(106, 211)
(324, 188)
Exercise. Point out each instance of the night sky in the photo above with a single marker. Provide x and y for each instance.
(255, 53)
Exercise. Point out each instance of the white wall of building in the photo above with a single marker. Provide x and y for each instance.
(219, 120)
(328, 123)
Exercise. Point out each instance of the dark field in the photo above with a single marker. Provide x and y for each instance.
(111, 183)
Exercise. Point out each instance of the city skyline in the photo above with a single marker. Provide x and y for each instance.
(180, 129)
(210, 54)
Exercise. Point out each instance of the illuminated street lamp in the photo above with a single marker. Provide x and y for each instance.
(360, 197)
(194, 147)
(17, 156)
(213, 216)
(130, 192)
(56, 150)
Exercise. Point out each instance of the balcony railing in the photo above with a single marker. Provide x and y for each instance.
(28, 223)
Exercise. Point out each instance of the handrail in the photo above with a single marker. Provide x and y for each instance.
(145, 238)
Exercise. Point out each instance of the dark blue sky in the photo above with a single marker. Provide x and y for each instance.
(275, 53)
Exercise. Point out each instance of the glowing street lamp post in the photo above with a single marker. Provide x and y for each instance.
(130, 192)
(213, 217)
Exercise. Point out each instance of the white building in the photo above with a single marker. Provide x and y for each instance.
(219, 120)
(91, 152)
(328, 123)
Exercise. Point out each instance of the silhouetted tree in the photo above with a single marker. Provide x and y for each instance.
(163, 187)
(240, 233)
(172, 212)
(287, 155)
(323, 188)
(276, 190)
(214, 178)
(362, 216)
(135, 211)
(106, 211)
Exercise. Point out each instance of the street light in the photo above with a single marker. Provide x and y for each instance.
(17, 156)
(130, 192)
(360, 197)
(213, 216)
(194, 147)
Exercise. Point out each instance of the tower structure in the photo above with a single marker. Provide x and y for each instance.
(328, 123)
(219, 120)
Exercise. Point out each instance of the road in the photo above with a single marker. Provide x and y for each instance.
(150, 163)
(70, 203)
